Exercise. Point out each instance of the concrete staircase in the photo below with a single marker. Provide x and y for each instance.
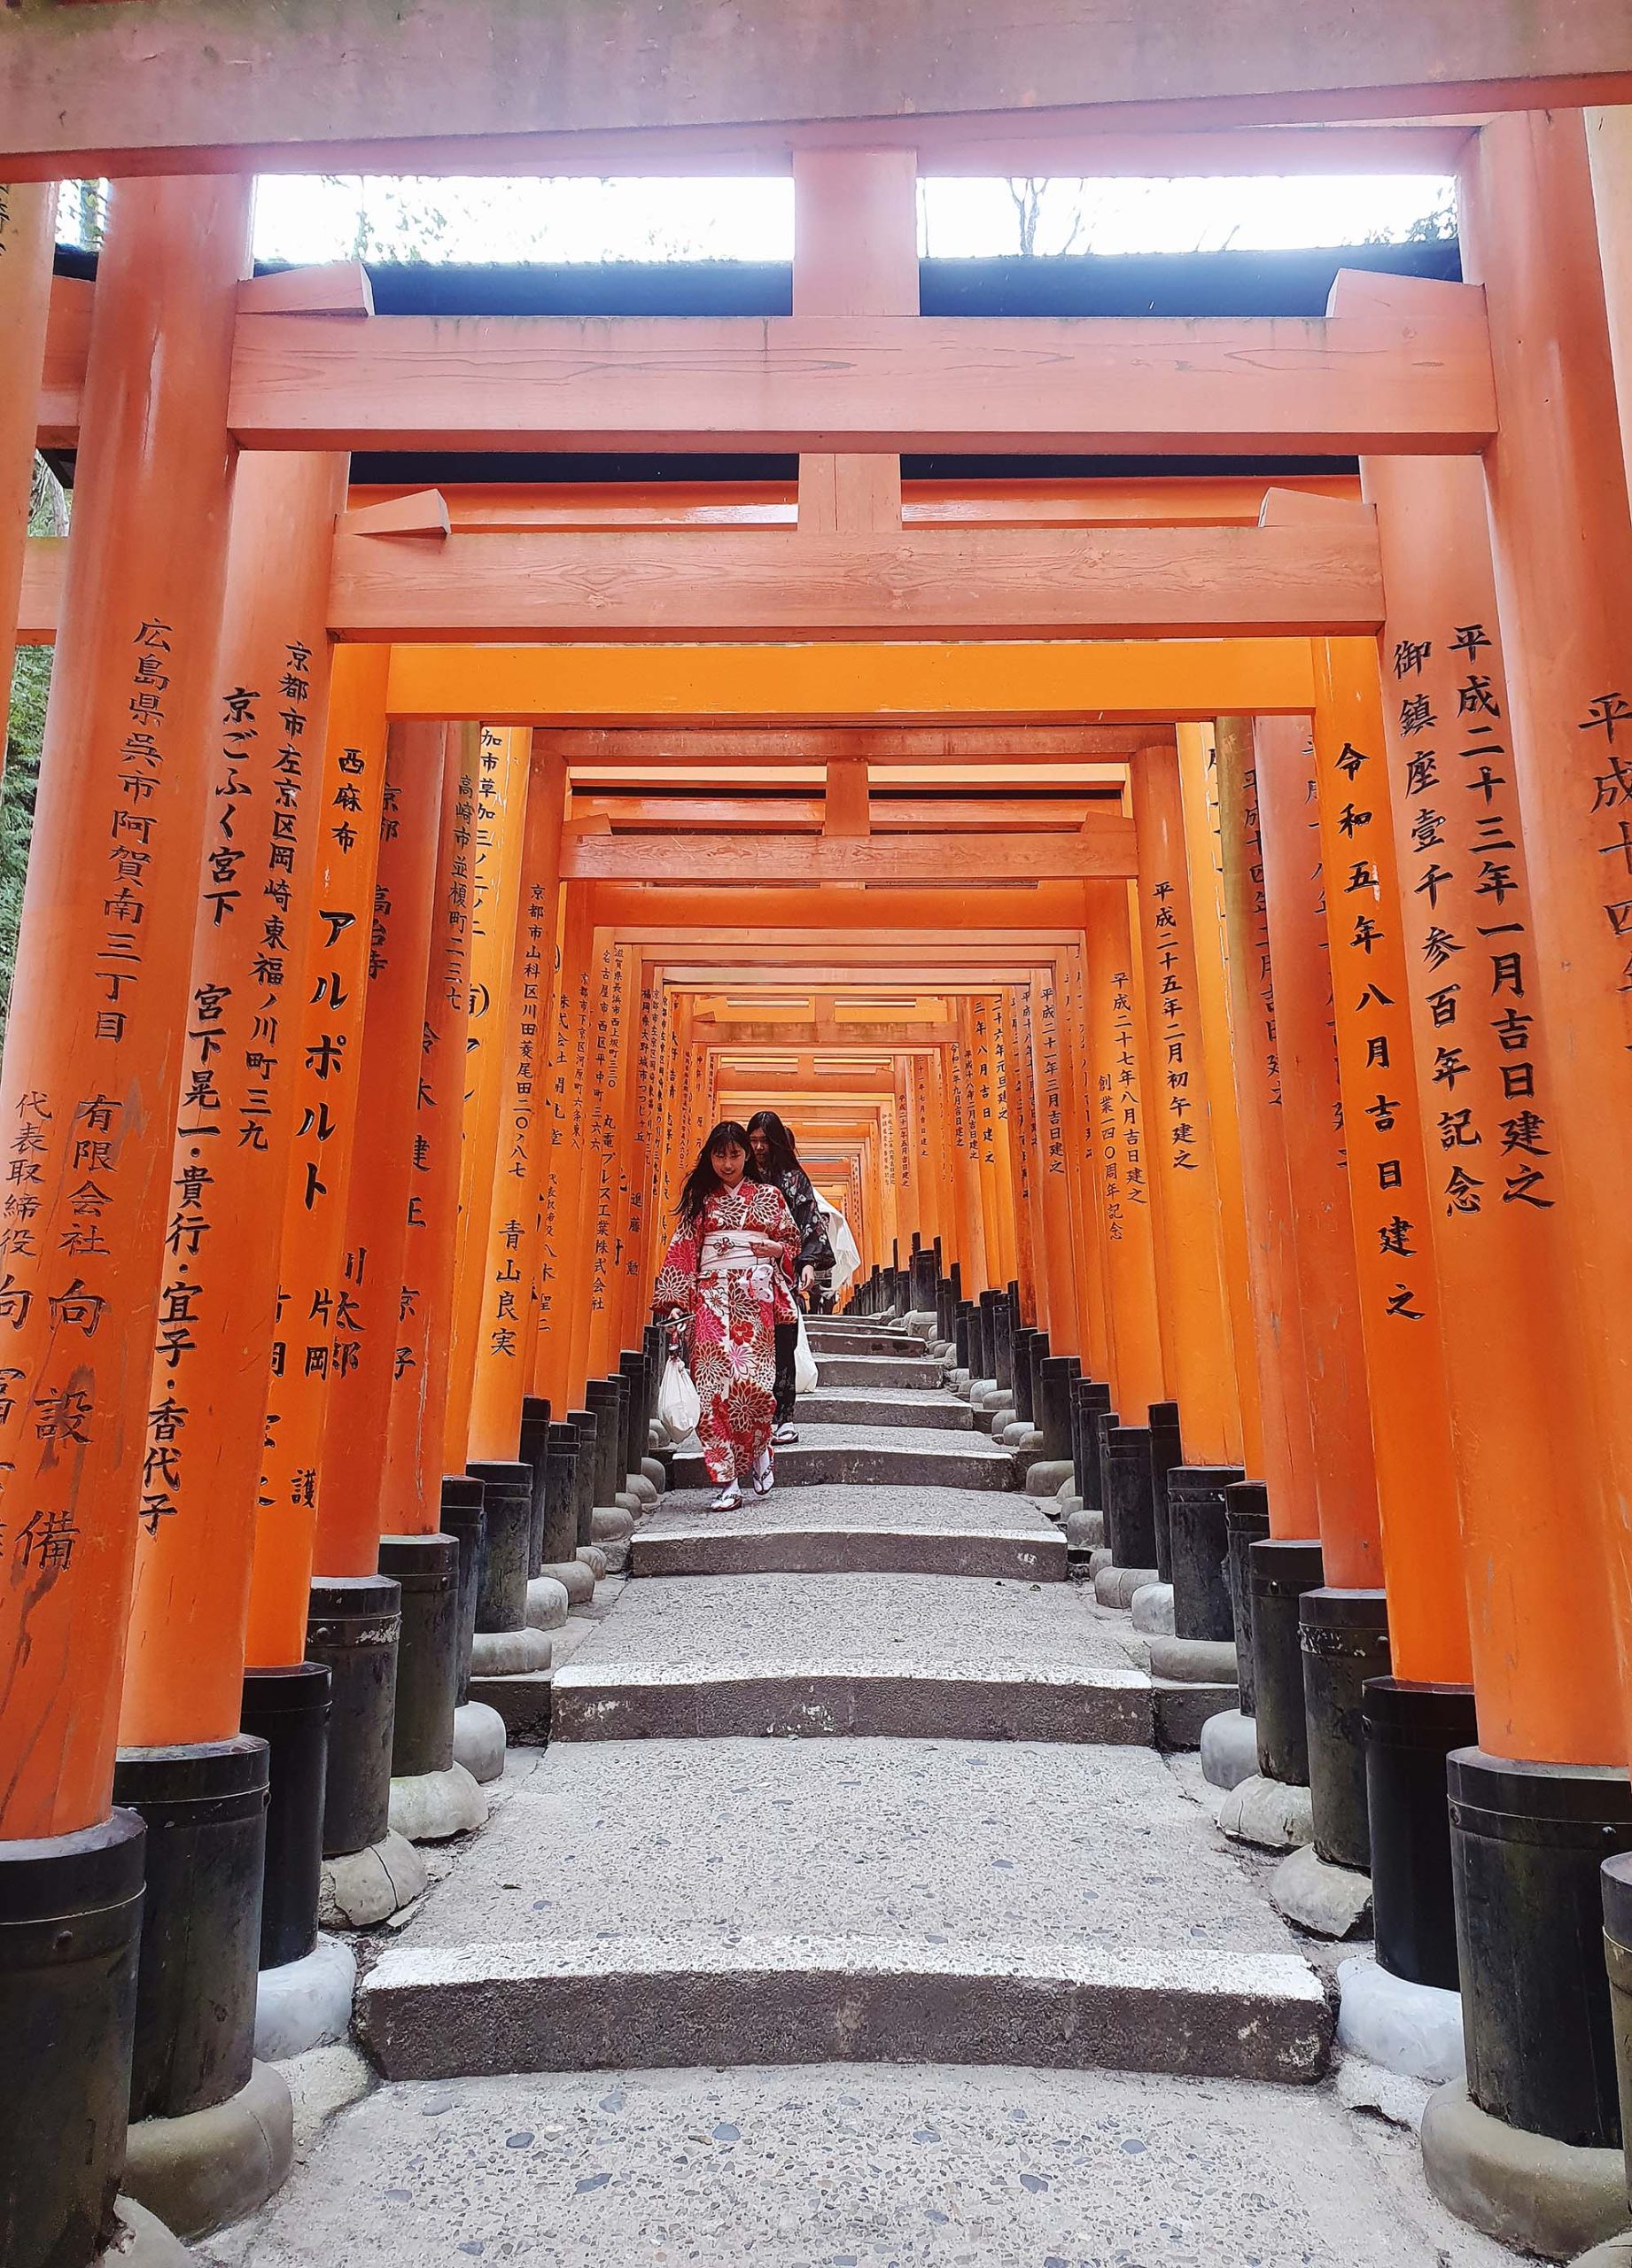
(852, 1914)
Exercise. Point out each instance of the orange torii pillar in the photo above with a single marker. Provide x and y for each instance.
(411, 1497)
(1538, 1583)
(431, 1796)
(1420, 1624)
(1198, 777)
(1134, 1377)
(185, 1703)
(1174, 1522)
(1229, 1742)
(1066, 981)
(27, 216)
(348, 1622)
(1339, 1539)
(1562, 538)
(510, 1431)
(559, 1216)
(502, 777)
(88, 1099)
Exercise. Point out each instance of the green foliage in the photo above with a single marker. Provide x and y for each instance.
(31, 682)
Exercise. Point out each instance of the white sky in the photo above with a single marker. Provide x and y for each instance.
(314, 218)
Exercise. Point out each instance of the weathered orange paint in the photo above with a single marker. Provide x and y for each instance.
(1288, 1446)
(350, 1507)
(508, 1326)
(1203, 859)
(95, 1035)
(1500, 1219)
(316, 1297)
(1191, 1269)
(255, 895)
(1563, 552)
(1400, 1314)
(495, 890)
(1120, 1149)
(411, 1499)
(1328, 1297)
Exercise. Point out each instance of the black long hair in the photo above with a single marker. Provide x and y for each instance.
(783, 1153)
(702, 1182)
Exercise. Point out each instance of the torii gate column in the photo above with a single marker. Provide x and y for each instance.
(26, 212)
(87, 1103)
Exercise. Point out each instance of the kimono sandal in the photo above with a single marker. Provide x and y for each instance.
(784, 1435)
(765, 1473)
(729, 1499)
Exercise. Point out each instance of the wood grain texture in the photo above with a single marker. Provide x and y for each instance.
(1378, 381)
(994, 584)
(1104, 847)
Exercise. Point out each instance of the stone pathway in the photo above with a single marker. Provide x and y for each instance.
(951, 1971)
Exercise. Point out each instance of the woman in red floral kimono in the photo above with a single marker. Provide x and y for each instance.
(725, 1277)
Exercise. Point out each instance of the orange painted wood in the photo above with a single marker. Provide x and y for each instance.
(351, 1499)
(1190, 1247)
(588, 747)
(1204, 863)
(62, 374)
(1262, 1102)
(508, 1325)
(1059, 1263)
(28, 213)
(120, 88)
(1609, 149)
(1389, 1196)
(1500, 1219)
(423, 514)
(411, 1500)
(1103, 846)
(255, 897)
(318, 1294)
(340, 287)
(1090, 682)
(43, 562)
(96, 1028)
(502, 782)
(996, 583)
(1345, 1514)
(1563, 552)
(862, 380)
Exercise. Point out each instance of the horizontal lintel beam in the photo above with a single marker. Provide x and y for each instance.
(1103, 846)
(994, 583)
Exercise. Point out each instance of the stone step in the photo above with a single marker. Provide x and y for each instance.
(846, 1405)
(898, 1457)
(880, 1531)
(1010, 2168)
(913, 1657)
(904, 1369)
(790, 1903)
(860, 1342)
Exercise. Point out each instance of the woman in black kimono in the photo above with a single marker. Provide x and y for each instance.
(777, 1162)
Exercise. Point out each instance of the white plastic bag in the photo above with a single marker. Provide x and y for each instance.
(806, 1377)
(678, 1407)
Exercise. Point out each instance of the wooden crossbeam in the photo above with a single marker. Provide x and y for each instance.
(914, 682)
(1104, 846)
(888, 814)
(183, 85)
(1371, 381)
(994, 583)
(691, 747)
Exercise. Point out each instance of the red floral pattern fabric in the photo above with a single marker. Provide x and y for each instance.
(732, 1310)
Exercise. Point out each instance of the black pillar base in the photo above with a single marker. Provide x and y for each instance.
(1129, 1519)
(204, 1807)
(533, 1449)
(353, 1625)
(1199, 1539)
(1344, 1635)
(1165, 1452)
(1527, 1844)
(464, 1517)
(69, 1922)
(1058, 1373)
(1246, 1522)
(586, 1426)
(561, 1497)
(289, 1710)
(1410, 1731)
(502, 1597)
(1279, 1572)
(425, 1569)
(1090, 1397)
(1615, 1886)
